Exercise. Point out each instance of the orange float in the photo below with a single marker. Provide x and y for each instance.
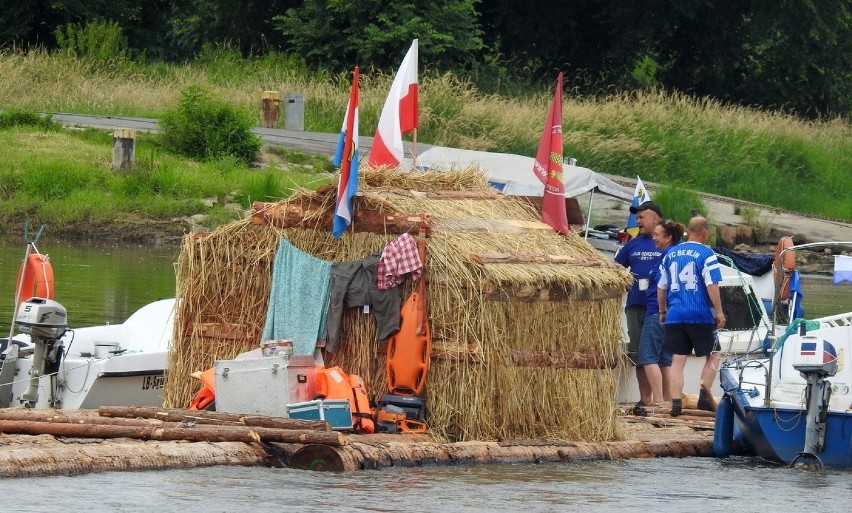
(784, 268)
(35, 279)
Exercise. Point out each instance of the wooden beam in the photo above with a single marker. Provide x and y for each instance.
(474, 195)
(456, 350)
(562, 359)
(225, 330)
(538, 258)
(496, 292)
(318, 216)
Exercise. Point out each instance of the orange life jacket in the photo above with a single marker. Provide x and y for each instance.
(205, 397)
(335, 383)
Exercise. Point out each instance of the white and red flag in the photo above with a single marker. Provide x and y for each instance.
(399, 115)
(548, 166)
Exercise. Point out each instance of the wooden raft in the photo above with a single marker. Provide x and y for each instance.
(130, 438)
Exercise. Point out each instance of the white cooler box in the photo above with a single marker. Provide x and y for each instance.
(265, 385)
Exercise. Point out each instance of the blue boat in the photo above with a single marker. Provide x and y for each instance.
(793, 403)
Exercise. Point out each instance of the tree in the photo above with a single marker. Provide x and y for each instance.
(336, 34)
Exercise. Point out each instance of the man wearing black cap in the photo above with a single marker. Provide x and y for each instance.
(641, 256)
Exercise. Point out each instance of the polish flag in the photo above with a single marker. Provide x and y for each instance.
(549, 169)
(399, 115)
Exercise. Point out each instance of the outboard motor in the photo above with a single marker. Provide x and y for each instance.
(815, 359)
(45, 321)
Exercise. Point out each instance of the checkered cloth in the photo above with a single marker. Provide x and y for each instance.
(399, 257)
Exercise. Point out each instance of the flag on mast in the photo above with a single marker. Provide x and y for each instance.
(548, 166)
(399, 115)
(346, 158)
(640, 195)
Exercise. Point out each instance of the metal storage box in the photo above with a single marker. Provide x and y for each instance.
(265, 385)
(336, 412)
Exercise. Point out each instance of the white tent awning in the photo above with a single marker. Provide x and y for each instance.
(513, 174)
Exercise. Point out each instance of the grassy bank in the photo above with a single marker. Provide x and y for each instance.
(766, 157)
(64, 179)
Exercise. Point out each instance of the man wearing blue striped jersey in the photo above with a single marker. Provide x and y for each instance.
(690, 308)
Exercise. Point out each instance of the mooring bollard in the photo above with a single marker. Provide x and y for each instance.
(123, 149)
(294, 112)
(271, 109)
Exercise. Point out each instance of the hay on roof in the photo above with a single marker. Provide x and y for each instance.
(525, 323)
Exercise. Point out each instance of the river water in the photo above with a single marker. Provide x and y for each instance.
(706, 485)
(100, 284)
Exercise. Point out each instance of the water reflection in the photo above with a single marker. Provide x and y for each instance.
(96, 284)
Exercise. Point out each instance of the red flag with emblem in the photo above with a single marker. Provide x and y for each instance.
(548, 167)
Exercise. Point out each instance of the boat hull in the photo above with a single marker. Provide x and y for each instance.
(778, 433)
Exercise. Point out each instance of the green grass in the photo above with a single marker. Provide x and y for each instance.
(63, 177)
(667, 138)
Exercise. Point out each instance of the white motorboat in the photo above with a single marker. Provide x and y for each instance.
(792, 402)
(48, 365)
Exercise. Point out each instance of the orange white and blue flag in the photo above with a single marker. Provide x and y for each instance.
(346, 158)
(640, 195)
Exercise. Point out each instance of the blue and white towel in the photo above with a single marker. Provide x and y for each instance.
(298, 301)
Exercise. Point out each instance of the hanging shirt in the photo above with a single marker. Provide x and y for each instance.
(354, 284)
(399, 258)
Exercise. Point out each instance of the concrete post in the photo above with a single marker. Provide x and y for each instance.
(294, 112)
(123, 149)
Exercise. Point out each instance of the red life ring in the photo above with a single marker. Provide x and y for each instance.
(785, 268)
(35, 279)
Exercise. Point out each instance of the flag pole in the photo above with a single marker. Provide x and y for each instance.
(414, 148)
(589, 215)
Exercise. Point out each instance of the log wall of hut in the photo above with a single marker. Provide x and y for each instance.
(523, 347)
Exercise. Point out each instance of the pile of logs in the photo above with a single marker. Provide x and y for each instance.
(133, 438)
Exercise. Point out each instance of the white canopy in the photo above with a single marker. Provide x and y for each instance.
(513, 174)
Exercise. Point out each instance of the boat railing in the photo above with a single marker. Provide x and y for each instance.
(767, 376)
(842, 319)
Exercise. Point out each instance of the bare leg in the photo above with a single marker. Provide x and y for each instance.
(665, 373)
(676, 376)
(655, 383)
(709, 371)
(644, 386)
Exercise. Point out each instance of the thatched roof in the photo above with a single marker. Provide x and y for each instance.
(525, 323)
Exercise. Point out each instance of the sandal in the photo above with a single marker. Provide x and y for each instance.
(639, 410)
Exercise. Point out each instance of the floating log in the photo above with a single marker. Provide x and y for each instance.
(196, 433)
(562, 359)
(316, 215)
(358, 455)
(29, 456)
(211, 417)
(536, 258)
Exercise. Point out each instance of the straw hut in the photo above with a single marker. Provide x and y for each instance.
(525, 323)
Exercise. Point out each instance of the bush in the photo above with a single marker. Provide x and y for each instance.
(98, 41)
(15, 117)
(205, 128)
(679, 204)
